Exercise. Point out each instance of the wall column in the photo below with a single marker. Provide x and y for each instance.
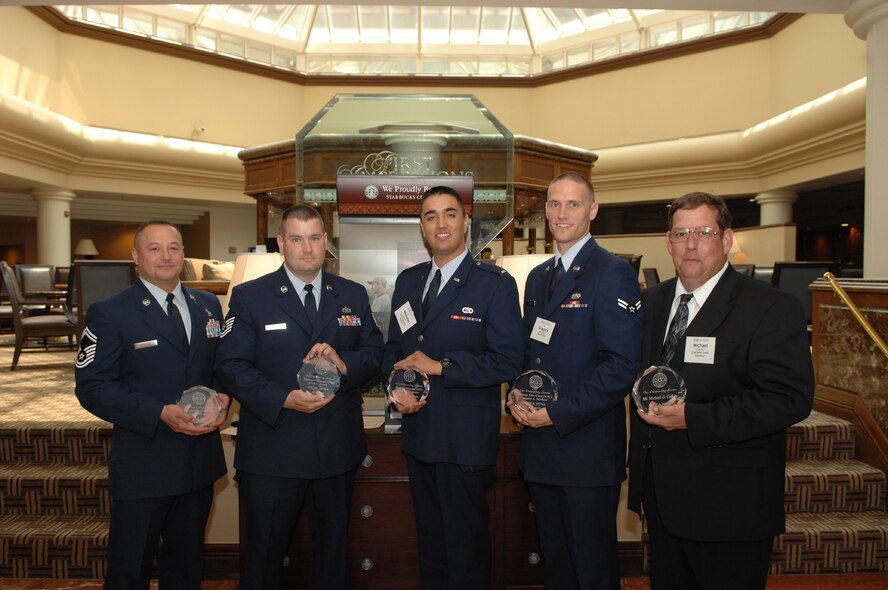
(869, 19)
(776, 206)
(53, 226)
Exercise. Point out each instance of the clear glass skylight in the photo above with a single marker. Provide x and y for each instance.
(420, 40)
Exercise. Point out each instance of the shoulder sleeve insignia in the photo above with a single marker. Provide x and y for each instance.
(87, 352)
(632, 308)
(229, 324)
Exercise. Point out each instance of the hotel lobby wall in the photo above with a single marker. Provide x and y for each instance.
(210, 236)
(761, 246)
(106, 85)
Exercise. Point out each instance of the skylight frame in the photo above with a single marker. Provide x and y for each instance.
(270, 34)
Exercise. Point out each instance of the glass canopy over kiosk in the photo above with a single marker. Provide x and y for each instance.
(421, 136)
(432, 139)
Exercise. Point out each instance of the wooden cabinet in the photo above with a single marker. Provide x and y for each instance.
(382, 533)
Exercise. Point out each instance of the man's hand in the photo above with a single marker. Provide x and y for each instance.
(224, 404)
(324, 350)
(527, 415)
(419, 361)
(181, 421)
(404, 401)
(670, 415)
(305, 402)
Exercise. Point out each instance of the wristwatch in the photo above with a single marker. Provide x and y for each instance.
(446, 363)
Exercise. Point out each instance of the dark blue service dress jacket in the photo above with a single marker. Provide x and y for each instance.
(131, 363)
(266, 336)
(476, 322)
(593, 355)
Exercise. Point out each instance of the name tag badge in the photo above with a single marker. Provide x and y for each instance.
(144, 344)
(270, 327)
(542, 330)
(700, 349)
(405, 317)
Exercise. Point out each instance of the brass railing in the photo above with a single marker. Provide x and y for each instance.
(868, 328)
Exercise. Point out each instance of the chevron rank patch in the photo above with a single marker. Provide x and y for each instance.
(229, 324)
(632, 308)
(87, 352)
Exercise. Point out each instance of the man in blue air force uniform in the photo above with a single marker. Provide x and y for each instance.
(136, 358)
(459, 322)
(583, 327)
(294, 444)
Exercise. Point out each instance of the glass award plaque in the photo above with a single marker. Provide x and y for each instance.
(202, 403)
(414, 382)
(319, 375)
(658, 384)
(533, 388)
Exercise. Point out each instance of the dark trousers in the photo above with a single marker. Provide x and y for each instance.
(684, 564)
(271, 508)
(138, 526)
(578, 536)
(452, 524)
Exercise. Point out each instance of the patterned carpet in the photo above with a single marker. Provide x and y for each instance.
(41, 389)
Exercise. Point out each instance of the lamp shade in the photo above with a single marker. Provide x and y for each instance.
(248, 267)
(519, 266)
(85, 247)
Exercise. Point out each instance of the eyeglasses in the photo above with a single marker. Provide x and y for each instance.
(703, 234)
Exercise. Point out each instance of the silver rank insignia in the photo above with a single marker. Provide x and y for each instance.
(146, 302)
(632, 308)
(284, 288)
(87, 352)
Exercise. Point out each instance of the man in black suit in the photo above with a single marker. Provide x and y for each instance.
(582, 325)
(709, 472)
(136, 358)
(294, 445)
(458, 321)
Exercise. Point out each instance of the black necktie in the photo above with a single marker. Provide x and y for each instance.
(176, 317)
(311, 308)
(676, 329)
(557, 273)
(432, 293)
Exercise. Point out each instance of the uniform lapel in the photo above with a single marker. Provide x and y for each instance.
(449, 290)
(155, 316)
(200, 317)
(327, 310)
(289, 300)
(568, 281)
(542, 288)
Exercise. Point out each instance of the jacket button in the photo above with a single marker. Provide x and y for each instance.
(538, 360)
(420, 338)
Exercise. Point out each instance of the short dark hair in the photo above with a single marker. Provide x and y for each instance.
(573, 177)
(442, 190)
(148, 224)
(696, 199)
(302, 213)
